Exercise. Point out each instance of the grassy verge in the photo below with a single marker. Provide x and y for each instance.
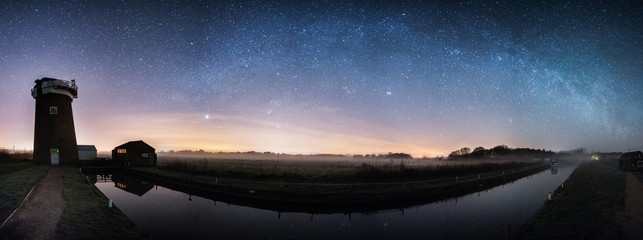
(16, 180)
(589, 206)
(87, 215)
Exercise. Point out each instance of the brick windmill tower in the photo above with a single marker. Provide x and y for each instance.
(54, 134)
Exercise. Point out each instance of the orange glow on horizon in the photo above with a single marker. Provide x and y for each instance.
(236, 133)
(229, 133)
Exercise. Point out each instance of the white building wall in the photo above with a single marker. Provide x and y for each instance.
(86, 152)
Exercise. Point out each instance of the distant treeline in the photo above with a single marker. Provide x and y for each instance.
(500, 150)
(388, 155)
(10, 154)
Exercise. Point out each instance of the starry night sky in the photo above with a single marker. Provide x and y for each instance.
(331, 77)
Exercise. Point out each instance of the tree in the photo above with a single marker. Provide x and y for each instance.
(465, 151)
(478, 149)
(478, 152)
(399, 155)
(500, 149)
(454, 154)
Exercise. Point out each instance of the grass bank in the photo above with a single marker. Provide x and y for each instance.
(589, 206)
(17, 177)
(87, 215)
(329, 171)
(386, 184)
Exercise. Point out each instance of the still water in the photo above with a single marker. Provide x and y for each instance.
(168, 214)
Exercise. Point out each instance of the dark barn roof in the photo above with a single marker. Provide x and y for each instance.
(135, 144)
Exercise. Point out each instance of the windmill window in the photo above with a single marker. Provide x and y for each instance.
(53, 110)
(121, 150)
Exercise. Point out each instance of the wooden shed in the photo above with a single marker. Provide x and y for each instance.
(631, 161)
(135, 154)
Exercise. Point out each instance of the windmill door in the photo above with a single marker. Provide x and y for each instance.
(55, 158)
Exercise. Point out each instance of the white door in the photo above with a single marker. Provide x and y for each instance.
(55, 160)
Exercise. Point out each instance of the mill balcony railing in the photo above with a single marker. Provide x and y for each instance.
(57, 84)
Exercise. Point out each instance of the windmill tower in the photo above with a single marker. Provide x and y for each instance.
(54, 134)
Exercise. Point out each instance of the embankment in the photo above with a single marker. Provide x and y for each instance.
(333, 194)
(85, 211)
(17, 178)
(589, 205)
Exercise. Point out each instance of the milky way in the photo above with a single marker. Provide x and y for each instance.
(420, 77)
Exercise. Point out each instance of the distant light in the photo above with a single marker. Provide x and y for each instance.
(207, 116)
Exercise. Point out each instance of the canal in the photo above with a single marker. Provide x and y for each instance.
(171, 214)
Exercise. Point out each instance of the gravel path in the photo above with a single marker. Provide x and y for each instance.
(40, 212)
(633, 227)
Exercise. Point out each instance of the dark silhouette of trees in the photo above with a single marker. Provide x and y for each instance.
(388, 155)
(462, 152)
(465, 151)
(478, 149)
(499, 150)
(478, 152)
(399, 155)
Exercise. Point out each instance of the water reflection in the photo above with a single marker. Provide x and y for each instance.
(171, 214)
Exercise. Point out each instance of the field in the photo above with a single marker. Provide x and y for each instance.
(329, 168)
(337, 179)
